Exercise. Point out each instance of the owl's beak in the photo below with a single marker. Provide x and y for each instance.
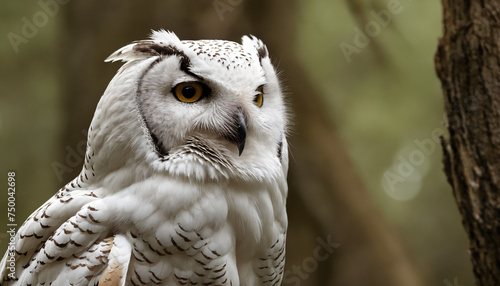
(242, 132)
(238, 135)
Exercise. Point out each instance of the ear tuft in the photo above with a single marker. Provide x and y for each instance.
(255, 43)
(162, 43)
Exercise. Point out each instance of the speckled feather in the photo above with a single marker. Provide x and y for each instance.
(164, 197)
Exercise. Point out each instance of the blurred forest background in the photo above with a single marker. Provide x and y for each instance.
(366, 173)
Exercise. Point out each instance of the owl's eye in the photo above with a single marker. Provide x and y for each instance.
(259, 97)
(189, 91)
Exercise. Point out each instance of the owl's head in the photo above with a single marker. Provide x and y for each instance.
(207, 102)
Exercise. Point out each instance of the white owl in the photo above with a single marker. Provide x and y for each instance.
(184, 180)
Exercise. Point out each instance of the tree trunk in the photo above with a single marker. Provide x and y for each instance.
(468, 65)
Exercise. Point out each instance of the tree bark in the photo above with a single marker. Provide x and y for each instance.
(468, 65)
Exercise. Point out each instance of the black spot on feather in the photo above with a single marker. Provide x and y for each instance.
(280, 147)
(262, 52)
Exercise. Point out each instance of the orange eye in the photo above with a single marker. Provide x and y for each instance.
(189, 91)
(259, 97)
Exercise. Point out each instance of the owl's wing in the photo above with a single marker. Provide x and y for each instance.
(47, 218)
(52, 233)
(105, 263)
